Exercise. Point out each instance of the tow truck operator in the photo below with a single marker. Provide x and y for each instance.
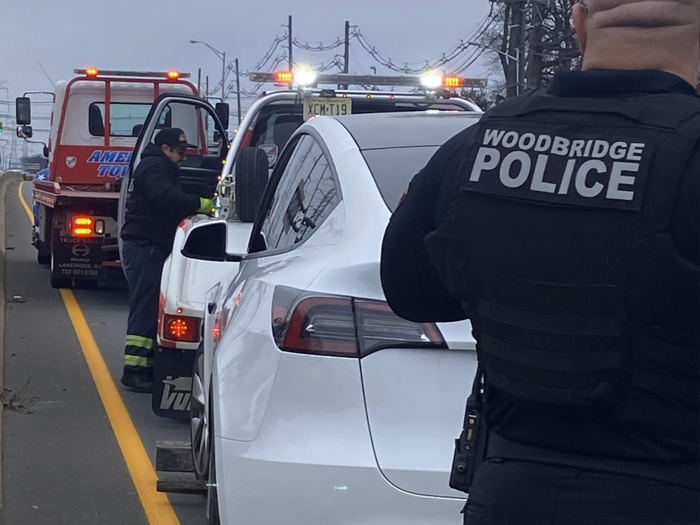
(565, 227)
(154, 209)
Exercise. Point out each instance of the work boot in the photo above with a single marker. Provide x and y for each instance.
(141, 383)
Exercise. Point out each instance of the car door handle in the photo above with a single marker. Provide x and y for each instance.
(211, 307)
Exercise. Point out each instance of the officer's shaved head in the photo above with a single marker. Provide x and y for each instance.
(640, 34)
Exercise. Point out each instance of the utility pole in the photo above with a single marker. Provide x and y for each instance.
(346, 62)
(223, 78)
(512, 52)
(536, 46)
(206, 87)
(238, 93)
(290, 51)
(291, 46)
(199, 81)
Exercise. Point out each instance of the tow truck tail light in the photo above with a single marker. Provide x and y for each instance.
(342, 326)
(453, 82)
(82, 226)
(173, 75)
(284, 77)
(181, 328)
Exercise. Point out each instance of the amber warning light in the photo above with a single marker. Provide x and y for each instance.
(284, 77)
(173, 75)
(453, 82)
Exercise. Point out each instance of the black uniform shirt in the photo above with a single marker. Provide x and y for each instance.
(415, 292)
(157, 204)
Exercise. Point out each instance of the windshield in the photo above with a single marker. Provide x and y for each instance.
(393, 169)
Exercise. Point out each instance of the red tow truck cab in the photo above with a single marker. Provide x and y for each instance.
(95, 122)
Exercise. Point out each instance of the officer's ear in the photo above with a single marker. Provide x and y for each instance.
(580, 19)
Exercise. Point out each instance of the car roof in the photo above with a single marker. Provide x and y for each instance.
(407, 129)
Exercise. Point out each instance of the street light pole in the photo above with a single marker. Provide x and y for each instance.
(222, 56)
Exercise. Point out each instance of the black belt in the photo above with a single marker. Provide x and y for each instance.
(686, 474)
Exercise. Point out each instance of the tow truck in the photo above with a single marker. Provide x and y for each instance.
(208, 248)
(95, 121)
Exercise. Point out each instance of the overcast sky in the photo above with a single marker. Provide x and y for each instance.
(62, 35)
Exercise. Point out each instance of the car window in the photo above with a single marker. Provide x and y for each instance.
(306, 194)
(125, 119)
(393, 169)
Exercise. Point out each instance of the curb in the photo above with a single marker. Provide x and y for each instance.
(5, 180)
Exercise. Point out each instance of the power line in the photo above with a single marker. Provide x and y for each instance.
(421, 67)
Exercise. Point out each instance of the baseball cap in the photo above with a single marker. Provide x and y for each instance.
(171, 137)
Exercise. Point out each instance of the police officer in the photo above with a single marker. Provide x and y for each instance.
(155, 207)
(564, 225)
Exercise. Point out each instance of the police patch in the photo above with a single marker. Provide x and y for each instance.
(559, 167)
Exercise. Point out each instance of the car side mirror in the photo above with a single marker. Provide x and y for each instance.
(46, 151)
(208, 242)
(222, 111)
(23, 111)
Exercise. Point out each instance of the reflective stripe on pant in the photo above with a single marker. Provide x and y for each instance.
(138, 354)
(142, 262)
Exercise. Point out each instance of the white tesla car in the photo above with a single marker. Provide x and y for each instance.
(312, 403)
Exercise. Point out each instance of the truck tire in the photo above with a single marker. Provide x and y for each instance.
(251, 179)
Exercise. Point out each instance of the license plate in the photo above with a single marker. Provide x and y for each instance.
(334, 107)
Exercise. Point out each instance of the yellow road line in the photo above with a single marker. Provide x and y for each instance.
(156, 504)
(26, 208)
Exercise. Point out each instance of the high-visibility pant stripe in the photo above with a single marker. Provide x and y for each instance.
(135, 360)
(137, 340)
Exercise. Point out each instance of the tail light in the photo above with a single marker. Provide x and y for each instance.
(308, 323)
(82, 226)
(181, 328)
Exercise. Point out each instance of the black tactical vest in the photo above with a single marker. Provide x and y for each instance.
(557, 243)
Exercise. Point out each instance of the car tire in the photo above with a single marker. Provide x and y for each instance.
(213, 517)
(42, 257)
(251, 179)
(200, 429)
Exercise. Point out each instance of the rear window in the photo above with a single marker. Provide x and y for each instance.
(393, 169)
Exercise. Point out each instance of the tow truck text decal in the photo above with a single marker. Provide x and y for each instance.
(111, 163)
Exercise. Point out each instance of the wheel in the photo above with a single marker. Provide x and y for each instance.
(213, 517)
(200, 435)
(251, 179)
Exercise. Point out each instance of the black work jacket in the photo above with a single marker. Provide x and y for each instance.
(157, 203)
(414, 290)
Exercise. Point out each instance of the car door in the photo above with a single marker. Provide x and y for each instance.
(201, 170)
(299, 203)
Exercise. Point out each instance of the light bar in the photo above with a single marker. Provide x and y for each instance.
(370, 80)
(92, 72)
